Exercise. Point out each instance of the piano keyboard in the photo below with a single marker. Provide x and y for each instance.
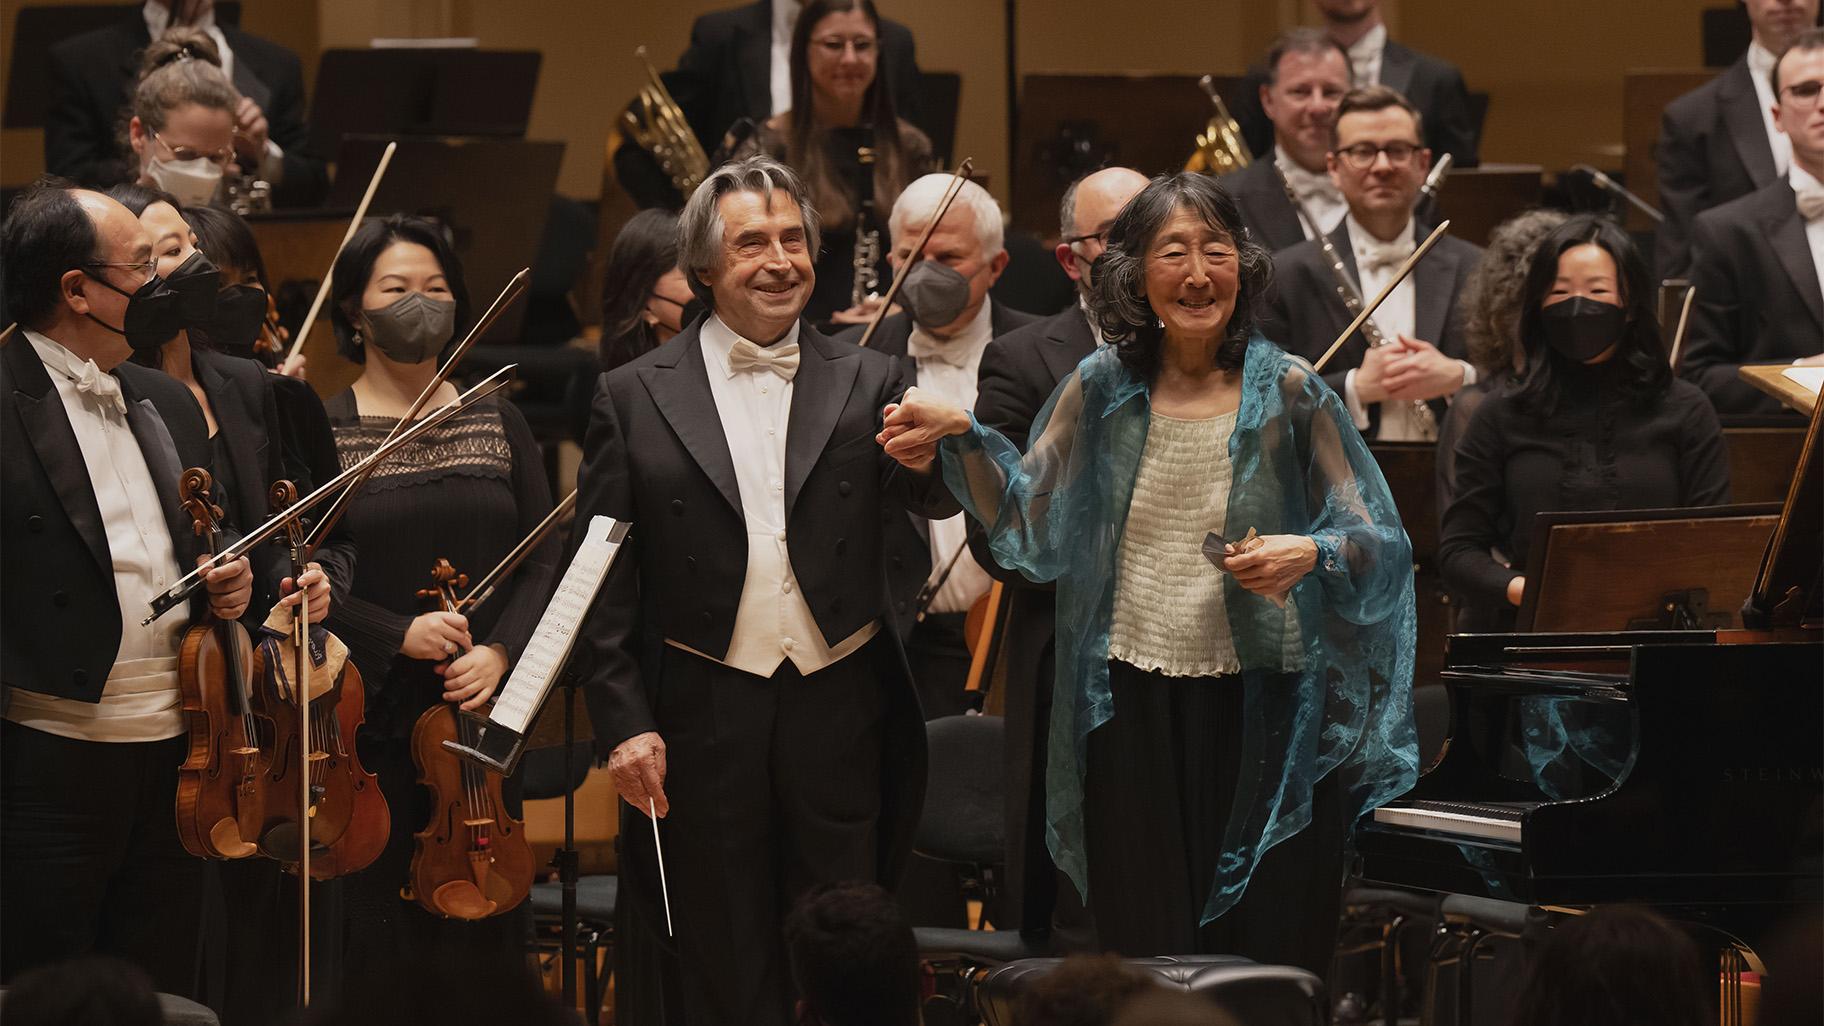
(1487, 821)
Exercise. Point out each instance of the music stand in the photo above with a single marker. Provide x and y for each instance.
(1476, 200)
(494, 194)
(409, 91)
(1643, 569)
(37, 29)
(1787, 591)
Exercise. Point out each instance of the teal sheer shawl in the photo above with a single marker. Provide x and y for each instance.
(1300, 467)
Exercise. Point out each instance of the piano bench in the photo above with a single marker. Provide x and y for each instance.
(1466, 926)
(1259, 995)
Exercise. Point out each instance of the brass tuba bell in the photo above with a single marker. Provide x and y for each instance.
(659, 127)
(1220, 148)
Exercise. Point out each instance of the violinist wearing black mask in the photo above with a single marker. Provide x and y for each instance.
(1595, 422)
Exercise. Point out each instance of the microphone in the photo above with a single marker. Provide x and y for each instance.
(1435, 180)
(1610, 185)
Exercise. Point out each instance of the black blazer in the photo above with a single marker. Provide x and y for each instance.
(59, 614)
(1712, 148)
(909, 556)
(1757, 296)
(1433, 85)
(1304, 315)
(1265, 209)
(726, 74)
(92, 78)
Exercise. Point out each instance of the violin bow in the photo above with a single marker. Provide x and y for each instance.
(1386, 290)
(485, 587)
(515, 288)
(959, 178)
(184, 588)
(316, 305)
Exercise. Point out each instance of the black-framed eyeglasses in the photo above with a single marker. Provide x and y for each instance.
(1804, 94)
(1101, 236)
(1362, 156)
(148, 265)
(182, 153)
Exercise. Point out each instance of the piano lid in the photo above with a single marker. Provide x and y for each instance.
(1786, 590)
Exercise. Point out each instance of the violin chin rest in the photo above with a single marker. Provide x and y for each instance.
(225, 838)
(461, 899)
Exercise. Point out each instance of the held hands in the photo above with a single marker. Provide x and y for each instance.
(638, 767)
(1272, 567)
(472, 677)
(250, 133)
(436, 636)
(914, 425)
(316, 587)
(230, 587)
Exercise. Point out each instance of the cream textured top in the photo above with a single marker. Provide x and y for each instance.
(1170, 614)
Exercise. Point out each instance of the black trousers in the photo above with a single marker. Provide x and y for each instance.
(1158, 793)
(775, 786)
(90, 861)
(939, 658)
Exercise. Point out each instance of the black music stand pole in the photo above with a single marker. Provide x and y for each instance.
(567, 859)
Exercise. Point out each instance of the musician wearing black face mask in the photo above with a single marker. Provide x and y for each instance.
(948, 324)
(1595, 421)
(90, 531)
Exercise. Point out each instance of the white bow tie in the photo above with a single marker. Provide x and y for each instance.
(781, 358)
(105, 387)
(1306, 184)
(1376, 255)
(1811, 201)
(922, 347)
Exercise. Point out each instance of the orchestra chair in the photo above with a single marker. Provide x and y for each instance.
(176, 1011)
(964, 824)
(1259, 995)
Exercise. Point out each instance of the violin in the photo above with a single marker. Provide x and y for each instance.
(315, 716)
(270, 345)
(472, 860)
(220, 793)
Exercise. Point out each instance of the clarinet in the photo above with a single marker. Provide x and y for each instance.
(866, 258)
(1351, 297)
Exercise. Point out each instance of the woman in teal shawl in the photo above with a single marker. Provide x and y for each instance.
(1214, 732)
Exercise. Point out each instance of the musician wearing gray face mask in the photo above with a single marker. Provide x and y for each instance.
(1397, 372)
(948, 323)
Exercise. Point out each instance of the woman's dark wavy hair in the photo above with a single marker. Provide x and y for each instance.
(1640, 355)
(1117, 297)
(645, 249)
(355, 266)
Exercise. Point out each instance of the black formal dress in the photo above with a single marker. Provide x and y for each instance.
(1434, 85)
(1598, 450)
(1758, 297)
(775, 783)
(1304, 314)
(1713, 148)
(468, 492)
(1019, 373)
(91, 861)
(92, 79)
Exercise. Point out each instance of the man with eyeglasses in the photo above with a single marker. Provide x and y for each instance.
(1758, 261)
(1307, 76)
(1718, 142)
(92, 78)
(1378, 163)
(94, 728)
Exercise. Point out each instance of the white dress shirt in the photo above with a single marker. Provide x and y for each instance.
(1397, 316)
(785, 15)
(773, 623)
(948, 368)
(1803, 181)
(158, 18)
(140, 700)
(1365, 57)
(1320, 197)
(1760, 70)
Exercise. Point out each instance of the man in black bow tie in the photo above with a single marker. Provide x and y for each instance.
(755, 690)
(1395, 391)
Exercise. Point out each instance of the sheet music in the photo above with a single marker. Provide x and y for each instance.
(549, 648)
(1809, 378)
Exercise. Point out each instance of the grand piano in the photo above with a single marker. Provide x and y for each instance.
(1681, 769)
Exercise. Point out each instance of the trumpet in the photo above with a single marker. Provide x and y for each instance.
(1220, 148)
(660, 129)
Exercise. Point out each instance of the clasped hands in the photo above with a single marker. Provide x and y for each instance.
(912, 428)
(1404, 370)
(470, 672)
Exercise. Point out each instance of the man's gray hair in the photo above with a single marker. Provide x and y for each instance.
(700, 225)
(919, 201)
